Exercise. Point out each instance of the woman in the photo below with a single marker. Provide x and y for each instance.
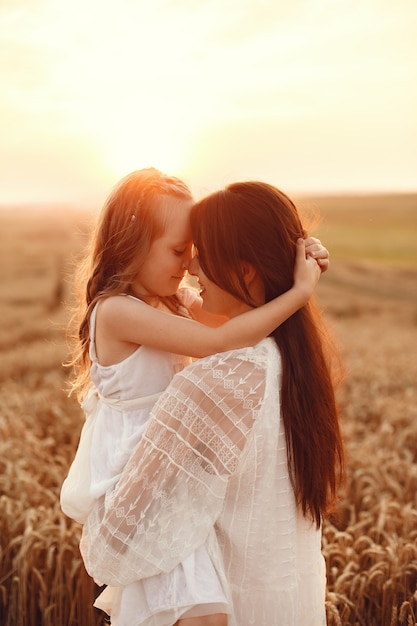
(243, 452)
(133, 329)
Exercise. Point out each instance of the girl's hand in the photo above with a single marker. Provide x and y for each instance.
(315, 249)
(307, 271)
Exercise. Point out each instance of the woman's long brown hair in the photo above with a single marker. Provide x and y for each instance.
(125, 229)
(257, 223)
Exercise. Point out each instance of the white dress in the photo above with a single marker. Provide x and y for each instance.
(117, 409)
(211, 468)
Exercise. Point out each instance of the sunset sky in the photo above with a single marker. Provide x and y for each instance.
(310, 95)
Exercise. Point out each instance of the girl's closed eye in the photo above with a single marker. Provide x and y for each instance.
(179, 252)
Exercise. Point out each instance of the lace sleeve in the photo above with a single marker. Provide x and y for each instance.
(173, 487)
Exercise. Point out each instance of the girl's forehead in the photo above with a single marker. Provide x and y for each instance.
(175, 217)
(172, 206)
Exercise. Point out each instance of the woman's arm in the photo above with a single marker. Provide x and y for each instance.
(133, 322)
(173, 487)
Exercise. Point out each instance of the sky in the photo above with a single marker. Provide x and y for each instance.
(314, 96)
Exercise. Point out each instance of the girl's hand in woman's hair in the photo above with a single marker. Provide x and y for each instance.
(306, 271)
(315, 249)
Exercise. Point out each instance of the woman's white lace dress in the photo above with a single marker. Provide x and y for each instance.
(211, 468)
(117, 411)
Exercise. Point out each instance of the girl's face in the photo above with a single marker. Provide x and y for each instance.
(215, 299)
(169, 256)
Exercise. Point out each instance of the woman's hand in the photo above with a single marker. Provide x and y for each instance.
(315, 249)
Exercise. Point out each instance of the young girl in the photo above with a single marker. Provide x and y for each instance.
(135, 322)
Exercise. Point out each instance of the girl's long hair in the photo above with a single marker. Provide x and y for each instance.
(125, 229)
(257, 223)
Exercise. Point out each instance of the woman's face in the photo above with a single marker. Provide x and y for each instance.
(215, 299)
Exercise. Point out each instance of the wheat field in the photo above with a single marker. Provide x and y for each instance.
(369, 297)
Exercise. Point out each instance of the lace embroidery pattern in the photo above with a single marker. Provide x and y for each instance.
(173, 488)
(215, 408)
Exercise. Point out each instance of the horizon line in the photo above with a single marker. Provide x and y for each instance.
(298, 194)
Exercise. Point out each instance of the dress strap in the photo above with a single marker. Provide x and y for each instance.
(92, 333)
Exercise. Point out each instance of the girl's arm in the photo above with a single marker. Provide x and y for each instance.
(314, 248)
(131, 322)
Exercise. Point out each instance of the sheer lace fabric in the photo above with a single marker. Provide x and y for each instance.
(211, 468)
(117, 410)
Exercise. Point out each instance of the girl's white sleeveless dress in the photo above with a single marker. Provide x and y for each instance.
(117, 409)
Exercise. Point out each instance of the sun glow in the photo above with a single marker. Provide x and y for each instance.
(135, 110)
(311, 95)
(141, 135)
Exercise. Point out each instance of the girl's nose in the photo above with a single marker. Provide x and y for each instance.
(193, 266)
(188, 255)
